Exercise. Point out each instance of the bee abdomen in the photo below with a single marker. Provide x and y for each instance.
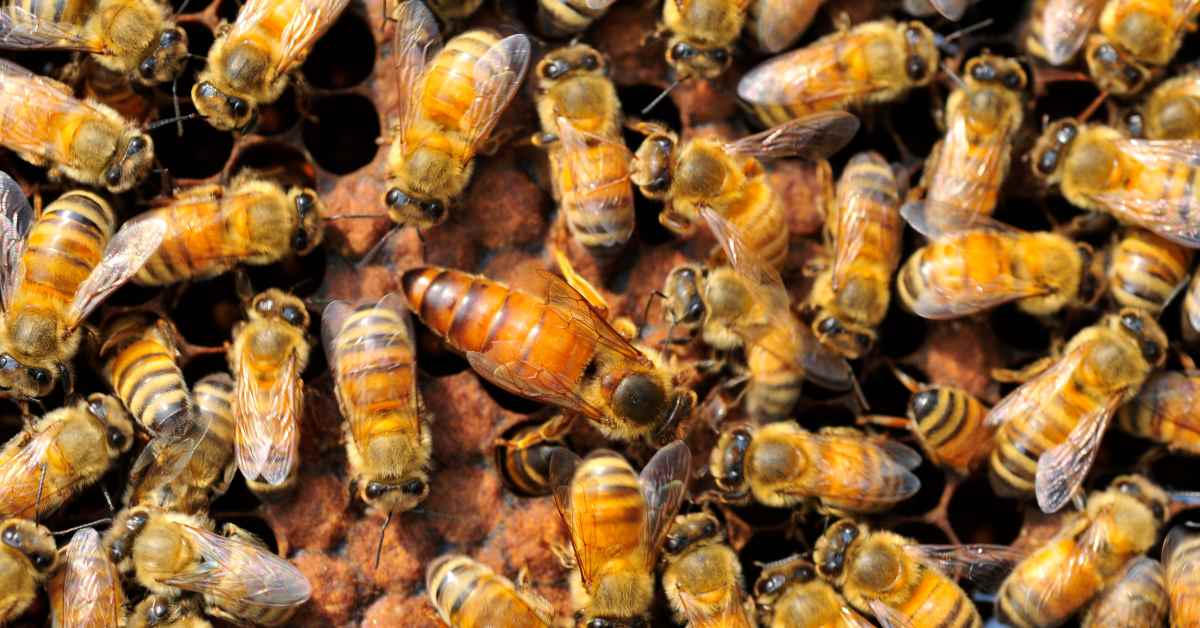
(144, 374)
(375, 360)
(1146, 270)
(461, 308)
(213, 396)
(559, 18)
(600, 212)
(67, 242)
(448, 88)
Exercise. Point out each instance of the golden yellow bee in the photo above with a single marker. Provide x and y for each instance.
(27, 557)
(864, 231)
(947, 421)
(250, 63)
(374, 364)
(974, 263)
(86, 588)
(212, 229)
(617, 522)
(450, 101)
(1114, 70)
(48, 463)
(873, 62)
(900, 582)
(1049, 428)
(728, 178)
(158, 611)
(54, 272)
(968, 166)
(522, 454)
(563, 18)
(270, 350)
(1139, 182)
(1167, 411)
(1146, 271)
(184, 471)
(558, 349)
(137, 38)
(240, 580)
(140, 360)
(1148, 32)
(80, 140)
(1059, 28)
(581, 130)
(838, 470)
(1088, 553)
(789, 594)
(702, 576)
(467, 594)
(1172, 110)
(1136, 599)
(1183, 588)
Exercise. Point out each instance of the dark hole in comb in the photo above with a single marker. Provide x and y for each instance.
(342, 139)
(344, 56)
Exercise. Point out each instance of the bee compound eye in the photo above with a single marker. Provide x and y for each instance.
(983, 72)
(916, 68)
(159, 611)
(413, 487)
(305, 203)
(396, 198)
(237, 107)
(773, 584)
(589, 62)
(169, 38)
(683, 50)
(41, 561)
(1048, 162)
(673, 544)
(375, 490)
(1011, 80)
(300, 241)
(41, 377)
(720, 55)
(112, 176)
(116, 438)
(292, 316)
(147, 67)
(11, 537)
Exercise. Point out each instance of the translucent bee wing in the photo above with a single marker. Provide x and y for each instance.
(600, 5)
(267, 427)
(16, 218)
(497, 75)
(22, 491)
(951, 9)
(1029, 397)
(22, 30)
(170, 450)
(1065, 27)
(591, 549)
(128, 250)
(904, 455)
(891, 473)
(239, 572)
(778, 23)
(812, 137)
(333, 319)
(664, 482)
(983, 565)
(92, 594)
(937, 220)
(303, 30)
(889, 617)
(1062, 469)
(416, 40)
(1167, 214)
(854, 216)
(536, 383)
(588, 170)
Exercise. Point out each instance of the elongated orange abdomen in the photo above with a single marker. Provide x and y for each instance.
(140, 365)
(63, 247)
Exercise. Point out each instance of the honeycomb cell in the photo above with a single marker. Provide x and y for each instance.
(199, 153)
(342, 137)
(277, 161)
(344, 57)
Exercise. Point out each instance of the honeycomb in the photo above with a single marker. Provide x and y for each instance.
(325, 132)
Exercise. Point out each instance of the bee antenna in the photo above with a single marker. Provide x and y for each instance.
(175, 103)
(1087, 113)
(182, 7)
(196, 56)
(82, 526)
(941, 41)
(161, 123)
(379, 547)
(953, 75)
(649, 302)
(658, 99)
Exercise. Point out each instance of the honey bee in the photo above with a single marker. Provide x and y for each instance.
(974, 263)
(211, 229)
(947, 421)
(1165, 411)
(589, 162)
(69, 252)
(1089, 552)
(240, 580)
(702, 576)
(523, 456)
(873, 62)
(1136, 598)
(1146, 32)
(1172, 110)
(564, 18)
(27, 558)
(67, 450)
(617, 521)
(966, 169)
(467, 594)
(388, 439)
(1049, 428)
(141, 363)
(1059, 28)
(789, 594)
(1146, 271)
(1139, 182)
(80, 140)
(703, 33)
(185, 471)
(838, 469)
(728, 177)
(157, 611)
(137, 38)
(250, 63)
(865, 232)
(450, 101)
(1179, 557)
(1113, 69)
(86, 588)
(556, 349)
(270, 350)
(900, 582)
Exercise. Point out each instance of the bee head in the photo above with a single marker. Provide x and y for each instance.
(166, 58)
(130, 163)
(408, 209)
(1112, 70)
(830, 551)
(1146, 492)
(695, 60)
(651, 170)
(118, 424)
(310, 223)
(777, 576)
(227, 112)
(569, 61)
(277, 304)
(696, 529)
(846, 338)
(28, 368)
(33, 541)
(126, 527)
(1051, 149)
(728, 463)
(685, 305)
(921, 53)
(1143, 329)
(394, 494)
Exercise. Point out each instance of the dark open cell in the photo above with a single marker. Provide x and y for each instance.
(228, 9)
(344, 56)
(207, 310)
(978, 516)
(276, 161)
(342, 139)
(200, 153)
(509, 401)
(280, 116)
(184, 7)
(923, 533)
(434, 357)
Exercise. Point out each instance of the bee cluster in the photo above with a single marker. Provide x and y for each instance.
(595, 313)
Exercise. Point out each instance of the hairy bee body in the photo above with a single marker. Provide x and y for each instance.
(865, 231)
(1109, 362)
(27, 557)
(1137, 599)
(576, 358)
(590, 169)
(1088, 553)
(157, 611)
(211, 230)
(66, 451)
(789, 594)
(1172, 110)
(1149, 30)
(469, 595)
(873, 569)
(775, 381)
(1166, 410)
(563, 18)
(702, 35)
(950, 425)
(454, 9)
(1180, 552)
(1146, 271)
(702, 577)
(140, 362)
(870, 63)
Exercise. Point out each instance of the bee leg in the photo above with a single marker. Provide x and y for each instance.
(894, 422)
(1024, 374)
(564, 554)
(186, 350)
(1147, 460)
(939, 516)
(302, 99)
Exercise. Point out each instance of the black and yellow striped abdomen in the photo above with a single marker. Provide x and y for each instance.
(597, 197)
(562, 18)
(140, 363)
(1145, 270)
(63, 247)
(523, 453)
(950, 424)
(469, 595)
(607, 507)
(1166, 410)
(1181, 554)
(72, 12)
